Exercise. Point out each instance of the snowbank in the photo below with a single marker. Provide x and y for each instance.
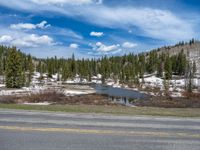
(42, 104)
(2, 85)
(68, 92)
(152, 81)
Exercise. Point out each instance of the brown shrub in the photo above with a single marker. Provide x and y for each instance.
(191, 95)
(44, 96)
(170, 102)
(58, 97)
(8, 99)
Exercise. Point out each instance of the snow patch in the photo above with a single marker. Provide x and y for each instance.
(42, 103)
(68, 92)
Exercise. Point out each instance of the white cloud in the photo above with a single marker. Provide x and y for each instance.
(129, 45)
(26, 40)
(97, 34)
(5, 39)
(73, 45)
(41, 46)
(104, 48)
(33, 40)
(23, 26)
(29, 26)
(148, 22)
(70, 2)
(43, 25)
(99, 48)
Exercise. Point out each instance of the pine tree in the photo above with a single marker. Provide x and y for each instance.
(39, 66)
(189, 77)
(160, 66)
(191, 72)
(166, 87)
(14, 74)
(152, 62)
(73, 65)
(141, 65)
(194, 68)
(30, 69)
(181, 63)
(168, 68)
(65, 72)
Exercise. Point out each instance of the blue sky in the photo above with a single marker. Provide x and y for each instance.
(93, 28)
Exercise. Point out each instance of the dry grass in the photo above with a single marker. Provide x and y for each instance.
(116, 110)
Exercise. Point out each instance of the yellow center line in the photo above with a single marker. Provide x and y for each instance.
(101, 132)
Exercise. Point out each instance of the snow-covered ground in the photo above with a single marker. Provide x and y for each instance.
(41, 104)
(68, 92)
(47, 84)
(2, 85)
(38, 89)
(152, 81)
(22, 91)
(176, 87)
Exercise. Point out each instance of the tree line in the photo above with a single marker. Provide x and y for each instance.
(127, 69)
(18, 67)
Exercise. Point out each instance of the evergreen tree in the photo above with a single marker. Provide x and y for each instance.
(30, 69)
(73, 65)
(14, 74)
(194, 68)
(181, 63)
(141, 66)
(166, 87)
(189, 78)
(65, 72)
(168, 68)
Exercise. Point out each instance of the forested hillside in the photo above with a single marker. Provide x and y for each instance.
(128, 68)
(18, 67)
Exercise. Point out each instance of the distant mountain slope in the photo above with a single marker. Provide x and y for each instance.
(191, 49)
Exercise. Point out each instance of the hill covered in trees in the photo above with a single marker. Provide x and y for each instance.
(17, 67)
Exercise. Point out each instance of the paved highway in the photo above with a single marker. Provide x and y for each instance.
(32, 130)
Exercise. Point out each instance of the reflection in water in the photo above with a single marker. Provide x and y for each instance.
(119, 100)
(119, 95)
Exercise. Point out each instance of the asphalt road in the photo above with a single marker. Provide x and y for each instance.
(31, 130)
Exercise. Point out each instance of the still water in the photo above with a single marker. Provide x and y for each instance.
(119, 95)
